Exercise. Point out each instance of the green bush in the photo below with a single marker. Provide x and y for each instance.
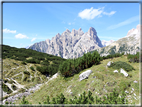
(32, 68)
(13, 87)
(119, 64)
(24, 101)
(133, 58)
(23, 62)
(6, 89)
(26, 72)
(22, 90)
(112, 98)
(124, 85)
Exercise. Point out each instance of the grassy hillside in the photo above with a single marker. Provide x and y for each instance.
(20, 68)
(101, 82)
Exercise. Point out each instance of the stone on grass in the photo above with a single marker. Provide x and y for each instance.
(85, 75)
(109, 63)
(132, 89)
(135, 81)
(126, 91)
(115, 71)
(124, 72)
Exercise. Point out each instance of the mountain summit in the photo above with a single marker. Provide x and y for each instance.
(70, 44)
(129, 44)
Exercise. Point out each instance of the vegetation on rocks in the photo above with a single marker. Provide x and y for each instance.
(119, 64)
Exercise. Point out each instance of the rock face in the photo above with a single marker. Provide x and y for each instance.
(129, 44)
(85, 75)
(124, 72)
(70, 44)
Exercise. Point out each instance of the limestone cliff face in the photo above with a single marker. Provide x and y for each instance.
(70, 44)
(130, 43)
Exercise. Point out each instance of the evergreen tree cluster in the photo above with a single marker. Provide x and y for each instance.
(112, 98)
(113, 55)
(72, 66)
(134, 58)
(43, 59)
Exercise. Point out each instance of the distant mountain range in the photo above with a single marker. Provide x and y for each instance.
(106, 43)
(75, 43)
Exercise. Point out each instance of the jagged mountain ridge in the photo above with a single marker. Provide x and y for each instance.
(70, 44)
(129, 44)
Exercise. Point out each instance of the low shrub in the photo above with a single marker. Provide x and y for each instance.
(13, 87)
(32, 68)
(26, 72)
(119, 64)
(124, 85)
(23, 62)
(22, 90)
(6, 89)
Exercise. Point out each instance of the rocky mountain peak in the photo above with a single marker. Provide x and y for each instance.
(134, 31)
(58, 35)
(67, 30)
(92, 31)
(74, 32)
(79, 29)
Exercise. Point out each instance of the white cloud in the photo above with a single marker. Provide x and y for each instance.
(33, 39)
(69, 23)
(9, 31)
(90, 13)
(126, 22)
(21, 36)
(111, 13)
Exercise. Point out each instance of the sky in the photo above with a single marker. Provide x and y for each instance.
(27, 23)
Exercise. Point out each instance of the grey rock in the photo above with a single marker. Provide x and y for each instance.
(109, 63)
(85, 74)
(115, 71)
(135, 81)
(124, 72)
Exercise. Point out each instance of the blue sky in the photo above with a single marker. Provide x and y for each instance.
(27, 23)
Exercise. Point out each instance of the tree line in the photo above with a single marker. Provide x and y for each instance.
(72, 66)
(43, 59)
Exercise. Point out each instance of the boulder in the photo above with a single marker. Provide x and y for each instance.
(115, 71)
(109, 63)
(135, 81)
(124, 72)
(85, 75)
